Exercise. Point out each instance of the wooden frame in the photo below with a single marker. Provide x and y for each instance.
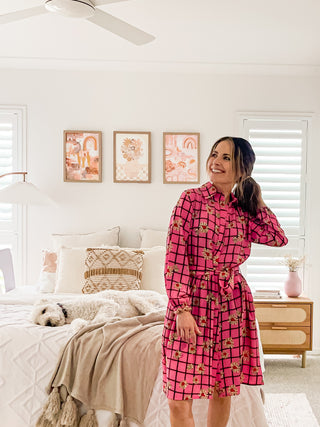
(181, 157)
(132, 156)
(82, 156)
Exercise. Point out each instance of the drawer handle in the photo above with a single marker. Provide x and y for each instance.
(279, 327)
(279, 305)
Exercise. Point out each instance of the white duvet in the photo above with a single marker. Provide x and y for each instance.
(28, 355)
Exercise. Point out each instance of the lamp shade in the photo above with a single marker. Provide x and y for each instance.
(24, 193)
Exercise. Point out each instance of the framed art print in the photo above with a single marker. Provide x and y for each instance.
(82, 156)
(131, 156)
(181, 157)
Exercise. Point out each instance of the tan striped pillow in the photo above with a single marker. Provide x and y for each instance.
(119, 269)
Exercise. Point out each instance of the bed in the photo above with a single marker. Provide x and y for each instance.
(29, 353)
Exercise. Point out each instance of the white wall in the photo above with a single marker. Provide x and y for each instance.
(156, 102)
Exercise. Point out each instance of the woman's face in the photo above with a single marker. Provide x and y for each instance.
(220, 165)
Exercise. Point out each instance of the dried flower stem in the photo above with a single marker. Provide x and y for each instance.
(292, 262)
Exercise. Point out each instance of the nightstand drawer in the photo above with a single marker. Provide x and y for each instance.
(280, 337)
(283, 314)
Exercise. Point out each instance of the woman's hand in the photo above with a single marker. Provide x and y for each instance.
(187, 327)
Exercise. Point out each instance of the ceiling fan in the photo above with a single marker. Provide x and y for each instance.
(85, 9)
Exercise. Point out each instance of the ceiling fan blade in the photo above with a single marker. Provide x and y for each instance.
(22, 14)
(121, 28)
(101, 2)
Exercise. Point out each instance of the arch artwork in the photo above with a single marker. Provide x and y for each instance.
(82, 156)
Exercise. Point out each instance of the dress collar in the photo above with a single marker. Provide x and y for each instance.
(209, 190)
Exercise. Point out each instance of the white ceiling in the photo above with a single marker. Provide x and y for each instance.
(188, 33)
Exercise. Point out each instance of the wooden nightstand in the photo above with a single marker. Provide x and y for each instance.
(285, 325)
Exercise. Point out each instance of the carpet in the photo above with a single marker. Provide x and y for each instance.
(289, 410)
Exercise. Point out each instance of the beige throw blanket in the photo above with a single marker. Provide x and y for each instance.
(112, 366)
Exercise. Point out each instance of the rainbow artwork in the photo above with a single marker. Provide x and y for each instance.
(181, 157)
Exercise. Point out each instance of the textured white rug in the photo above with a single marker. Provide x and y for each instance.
(289, 410)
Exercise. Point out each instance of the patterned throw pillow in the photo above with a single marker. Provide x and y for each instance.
(119, 269)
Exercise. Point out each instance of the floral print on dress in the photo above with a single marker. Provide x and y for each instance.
(183, 384)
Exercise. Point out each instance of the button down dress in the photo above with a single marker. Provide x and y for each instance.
(207, 241)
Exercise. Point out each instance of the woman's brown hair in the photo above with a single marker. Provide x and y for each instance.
(246, 189)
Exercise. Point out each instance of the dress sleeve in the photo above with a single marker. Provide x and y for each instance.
(177, 275)
(265, 229)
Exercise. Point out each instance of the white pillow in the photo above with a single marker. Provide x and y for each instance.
(70, 273)
(150, 238)
(108, 237)
(153, 269)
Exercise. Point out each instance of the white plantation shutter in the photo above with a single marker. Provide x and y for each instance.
(11, 159)
(280, 169)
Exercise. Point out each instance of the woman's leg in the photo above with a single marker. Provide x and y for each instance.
(181, 413)
(218, 411)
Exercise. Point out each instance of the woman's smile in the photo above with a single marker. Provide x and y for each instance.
(215, 170)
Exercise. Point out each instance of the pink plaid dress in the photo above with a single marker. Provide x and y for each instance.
(207, 241)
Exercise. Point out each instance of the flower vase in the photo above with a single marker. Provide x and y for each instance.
(293, 285)
(132, 169)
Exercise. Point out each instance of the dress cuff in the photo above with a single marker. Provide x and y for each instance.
(184, 307)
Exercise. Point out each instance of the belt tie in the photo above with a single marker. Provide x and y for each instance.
(226, 276)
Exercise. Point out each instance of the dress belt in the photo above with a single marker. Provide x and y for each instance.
(226, 276)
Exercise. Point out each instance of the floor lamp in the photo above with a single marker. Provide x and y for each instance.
(23, 193)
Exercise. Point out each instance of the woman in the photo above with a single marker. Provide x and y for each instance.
(210, 343)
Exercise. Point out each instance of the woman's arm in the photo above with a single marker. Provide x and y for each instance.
(177, 275)
(264, 228)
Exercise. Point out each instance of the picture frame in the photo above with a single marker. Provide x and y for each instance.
(181, 157)
(132, 157)
(82, 156)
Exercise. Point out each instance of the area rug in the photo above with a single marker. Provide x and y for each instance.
(289, 410)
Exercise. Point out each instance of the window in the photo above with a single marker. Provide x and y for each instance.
(12, 158)
(280, 145)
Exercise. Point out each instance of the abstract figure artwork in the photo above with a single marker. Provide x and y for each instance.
(82, 156)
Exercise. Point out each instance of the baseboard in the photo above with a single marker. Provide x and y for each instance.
(314, 352)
